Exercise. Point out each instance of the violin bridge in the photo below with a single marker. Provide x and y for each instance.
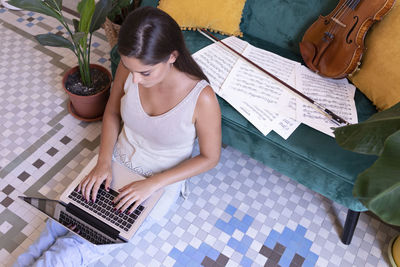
(339, 22)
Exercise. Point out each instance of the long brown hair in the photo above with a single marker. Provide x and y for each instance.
(151, 35)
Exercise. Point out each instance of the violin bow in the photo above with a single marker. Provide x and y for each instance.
(332, 116)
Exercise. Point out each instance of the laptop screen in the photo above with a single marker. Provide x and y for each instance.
(72, 221)
(47, 206)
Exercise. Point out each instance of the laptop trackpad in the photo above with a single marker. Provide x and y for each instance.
(123, 176)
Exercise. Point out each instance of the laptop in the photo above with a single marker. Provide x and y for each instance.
(97, 222)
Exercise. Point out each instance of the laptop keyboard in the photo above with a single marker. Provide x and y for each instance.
(105, 209)
(84, 231)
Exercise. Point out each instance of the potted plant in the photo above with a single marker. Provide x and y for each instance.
(86, 84)
(119, 11)
(378, 187)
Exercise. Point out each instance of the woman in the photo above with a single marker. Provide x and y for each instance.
(165, 102)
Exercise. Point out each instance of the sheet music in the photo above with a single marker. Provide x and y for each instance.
(283, 68)
(335, 95)
(259, 89)
(260, 118)
(266, 103)
(217, 61)
(244, 80)
(236, 44)
(285, 126)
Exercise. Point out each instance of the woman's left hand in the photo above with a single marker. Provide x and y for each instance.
(134, 193)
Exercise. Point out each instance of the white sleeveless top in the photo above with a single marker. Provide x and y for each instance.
(151, 144)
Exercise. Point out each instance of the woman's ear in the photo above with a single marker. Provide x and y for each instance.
(174, 55)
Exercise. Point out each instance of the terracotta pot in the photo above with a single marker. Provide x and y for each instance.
(394, 251)
(88, 108)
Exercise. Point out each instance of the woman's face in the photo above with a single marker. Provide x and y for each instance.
(147, 75)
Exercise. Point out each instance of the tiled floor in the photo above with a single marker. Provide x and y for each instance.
(240, 213)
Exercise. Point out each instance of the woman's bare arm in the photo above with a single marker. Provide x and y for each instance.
(109, 134)
(208, 128)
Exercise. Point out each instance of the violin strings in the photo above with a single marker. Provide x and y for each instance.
(343, 11)
(338, 14)
(340, 9)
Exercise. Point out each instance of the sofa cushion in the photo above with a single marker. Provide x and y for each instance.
(379, 76)
(216, 15)
(282, 23)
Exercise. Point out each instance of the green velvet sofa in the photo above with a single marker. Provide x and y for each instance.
(307, 156)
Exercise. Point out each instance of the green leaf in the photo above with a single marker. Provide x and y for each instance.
(86, 9)
(369, 136)
(77, 37)
(55, 4)
(36, 6)
(59, 3)
(378, 188)
(103, 7)
(76, 25)
(51, 39)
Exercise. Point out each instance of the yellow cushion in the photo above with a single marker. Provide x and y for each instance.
(221, 16)
(379, 76)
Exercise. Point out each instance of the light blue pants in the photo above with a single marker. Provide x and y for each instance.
(57, 246)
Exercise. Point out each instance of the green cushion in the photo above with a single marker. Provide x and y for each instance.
(307, 156)
(282, 23)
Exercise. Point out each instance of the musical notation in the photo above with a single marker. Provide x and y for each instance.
(264, 101)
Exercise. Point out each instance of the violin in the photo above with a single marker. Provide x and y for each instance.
(334, 44)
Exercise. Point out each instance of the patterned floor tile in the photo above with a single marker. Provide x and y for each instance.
(241, 213)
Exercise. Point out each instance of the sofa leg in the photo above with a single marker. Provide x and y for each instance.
(350, 226)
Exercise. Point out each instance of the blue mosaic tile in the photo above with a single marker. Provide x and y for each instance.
(271, 239)
(198, 256)
(300, 230)
(244, 244)
(311, 260)
(286, 259)
(183, 259)
(193, 257)
(294, 242)
(234, 223)
(233, 243)
(30, 24)
(174, 253)
(209, 251)
(230, 210)
(304, 247)
(95, 44)
(286, 237)
(246, 262)
(102, 60)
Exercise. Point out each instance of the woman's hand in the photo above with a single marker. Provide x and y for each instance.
(134, 193)
(92, 182)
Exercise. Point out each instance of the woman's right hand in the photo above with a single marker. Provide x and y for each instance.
(91, 183)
